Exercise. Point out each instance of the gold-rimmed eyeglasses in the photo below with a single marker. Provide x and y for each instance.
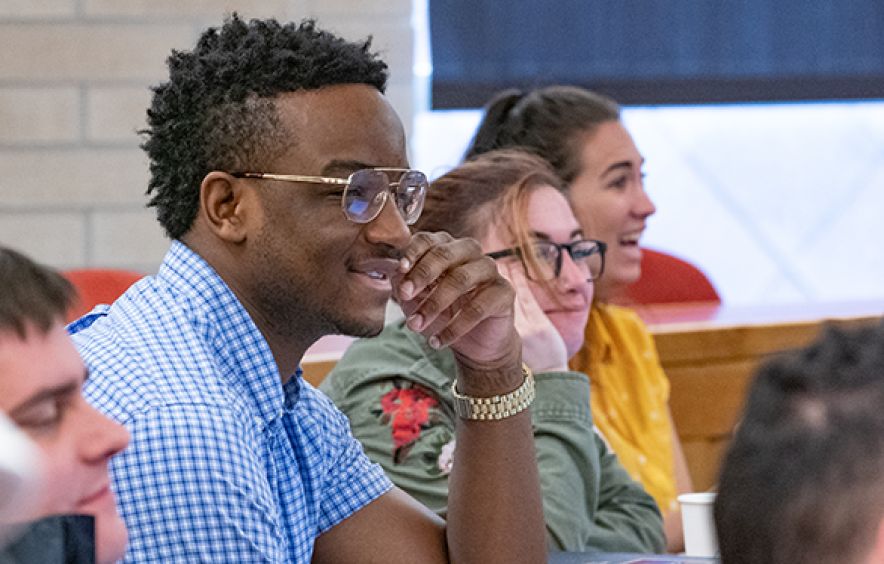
(366, 191)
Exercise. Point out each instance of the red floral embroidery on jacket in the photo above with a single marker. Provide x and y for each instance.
(406, 410)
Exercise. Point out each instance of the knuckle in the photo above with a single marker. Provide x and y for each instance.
(430, 306)
(461, 277)
(471, 246)
(474, 311)
(422, 270)
(444, 252)
(505, 286)
(423, 237)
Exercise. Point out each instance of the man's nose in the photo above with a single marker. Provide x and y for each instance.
(389, 226)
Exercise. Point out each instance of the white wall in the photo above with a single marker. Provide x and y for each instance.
(777, 203)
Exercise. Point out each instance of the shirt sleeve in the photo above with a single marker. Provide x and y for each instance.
(404, 426)
(191, 490)
(349, 479)
(590, 501)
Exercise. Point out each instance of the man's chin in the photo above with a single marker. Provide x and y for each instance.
(361, 329)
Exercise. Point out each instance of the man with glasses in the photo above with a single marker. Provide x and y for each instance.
(279, 171)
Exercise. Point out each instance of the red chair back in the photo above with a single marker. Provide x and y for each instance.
(668, 279)
(98, 286)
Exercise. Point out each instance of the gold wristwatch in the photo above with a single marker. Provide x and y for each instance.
(495, 407)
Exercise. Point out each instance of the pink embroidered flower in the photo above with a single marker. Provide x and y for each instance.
(446, 458)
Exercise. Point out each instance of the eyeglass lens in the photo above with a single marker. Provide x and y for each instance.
(367, 192)
(586, 254)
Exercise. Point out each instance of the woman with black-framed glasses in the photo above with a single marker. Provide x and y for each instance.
(580, 134)
(400, 393)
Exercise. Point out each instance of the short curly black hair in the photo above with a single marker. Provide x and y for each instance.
(218, 112)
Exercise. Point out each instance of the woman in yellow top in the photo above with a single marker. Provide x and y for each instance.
(580, 134)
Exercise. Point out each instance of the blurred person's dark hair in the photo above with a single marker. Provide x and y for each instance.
(217, 111)
(551, 122)
(31, 294)
(803, 480)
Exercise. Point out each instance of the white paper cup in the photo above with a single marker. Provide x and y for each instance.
(699, 526)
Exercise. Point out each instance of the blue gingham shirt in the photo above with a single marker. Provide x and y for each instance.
(225, 463)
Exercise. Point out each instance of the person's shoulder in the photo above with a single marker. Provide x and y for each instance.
(143, 352)
(619, 314)
(619, 319)
(396, 352)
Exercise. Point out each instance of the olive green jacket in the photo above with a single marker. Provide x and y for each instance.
(396, 391)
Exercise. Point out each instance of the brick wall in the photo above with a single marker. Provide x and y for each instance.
(74, 87)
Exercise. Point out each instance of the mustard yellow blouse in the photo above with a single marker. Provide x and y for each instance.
(630, 397)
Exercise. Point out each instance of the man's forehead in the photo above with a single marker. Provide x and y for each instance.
(352, 122)
(357, 103)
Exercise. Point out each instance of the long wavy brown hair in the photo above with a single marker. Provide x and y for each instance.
(494, 189)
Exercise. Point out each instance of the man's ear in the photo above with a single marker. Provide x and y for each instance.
(224, 206)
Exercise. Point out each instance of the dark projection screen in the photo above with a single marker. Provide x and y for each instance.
(659, 51)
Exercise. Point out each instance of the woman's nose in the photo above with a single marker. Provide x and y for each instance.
(573, 274)
(643, 206)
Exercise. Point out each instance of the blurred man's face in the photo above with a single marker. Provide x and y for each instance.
(41, 379)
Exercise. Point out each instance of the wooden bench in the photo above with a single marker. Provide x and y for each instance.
(710, 354)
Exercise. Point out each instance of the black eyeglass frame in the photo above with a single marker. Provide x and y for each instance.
(346, 182)
(600, 248)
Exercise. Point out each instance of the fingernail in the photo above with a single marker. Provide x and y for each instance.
(415, 322)
(407, 289)
(434, 342)
(404, 264)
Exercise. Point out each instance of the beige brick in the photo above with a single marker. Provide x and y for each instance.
(290, 11)
(128, 239)
(339, 8)
(393, 41)
(39, 115)
(117, 114)
(188, 8)
(61, 51)
(73, 178)
(24, 9)
(56, 239)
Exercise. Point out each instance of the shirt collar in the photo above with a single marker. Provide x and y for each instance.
(243, 354)
(600, 344)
